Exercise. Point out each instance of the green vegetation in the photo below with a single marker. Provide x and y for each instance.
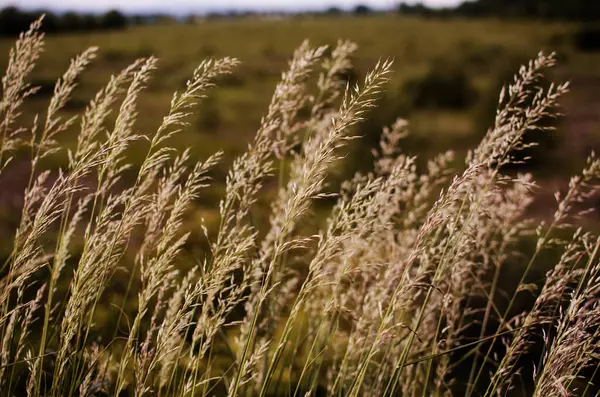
(137, 267)
(482, 52)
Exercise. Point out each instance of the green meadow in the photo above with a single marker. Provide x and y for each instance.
(483, 52)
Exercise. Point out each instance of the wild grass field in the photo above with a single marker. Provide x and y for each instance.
(311, 241)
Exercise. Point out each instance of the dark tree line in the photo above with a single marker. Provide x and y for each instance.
(583, 10)
(14, 21)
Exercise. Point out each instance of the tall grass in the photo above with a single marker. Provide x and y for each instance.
(418, 282)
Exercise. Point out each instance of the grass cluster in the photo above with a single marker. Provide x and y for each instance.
(399, 292)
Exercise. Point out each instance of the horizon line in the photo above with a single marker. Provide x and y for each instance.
(187, 10)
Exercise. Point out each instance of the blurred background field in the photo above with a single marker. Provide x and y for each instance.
(448, 73)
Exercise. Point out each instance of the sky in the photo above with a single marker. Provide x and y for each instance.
(185, 6)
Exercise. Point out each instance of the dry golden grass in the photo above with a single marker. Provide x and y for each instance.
(398, 294)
